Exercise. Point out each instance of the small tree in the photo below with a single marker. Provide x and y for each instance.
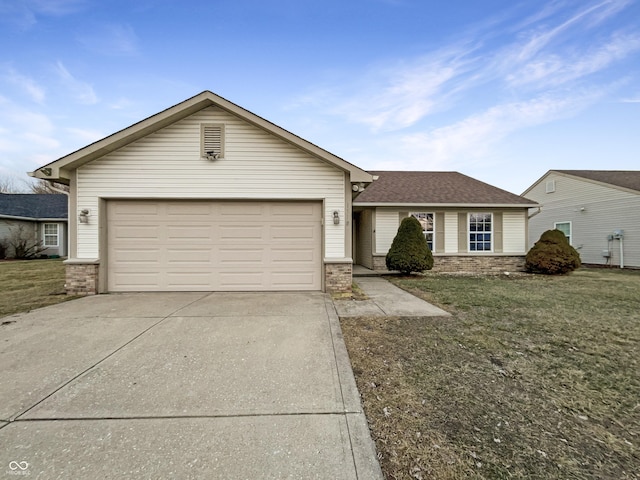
(24, 246)
(552, 255)
(409, 251)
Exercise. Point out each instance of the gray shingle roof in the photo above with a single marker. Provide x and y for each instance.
(33, 205)
(435, 188)
(620, 178)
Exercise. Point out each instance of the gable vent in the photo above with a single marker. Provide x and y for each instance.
(551, 186)
(212, 144)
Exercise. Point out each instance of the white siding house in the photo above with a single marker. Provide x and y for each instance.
(207, 196)
(448, 205)
(598, 210)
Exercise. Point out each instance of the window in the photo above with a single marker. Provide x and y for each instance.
(428, 226)
(51, 235)
(212, 145)
(480, 232)
(564, 227)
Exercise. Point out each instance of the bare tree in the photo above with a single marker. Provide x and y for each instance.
(23, 244)
(42, 186)
(9, 185)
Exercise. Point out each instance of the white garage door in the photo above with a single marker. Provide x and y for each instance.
(213, 246)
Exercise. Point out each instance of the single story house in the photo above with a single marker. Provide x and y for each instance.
(207, 196)
(41, 218)
(598, 211)
(469, 225)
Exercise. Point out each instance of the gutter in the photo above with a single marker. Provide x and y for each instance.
(447, 205)
(32, 219)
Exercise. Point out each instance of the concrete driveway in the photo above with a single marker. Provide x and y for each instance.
(181, 385)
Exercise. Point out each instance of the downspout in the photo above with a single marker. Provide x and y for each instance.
(535, 213)
(68, 237)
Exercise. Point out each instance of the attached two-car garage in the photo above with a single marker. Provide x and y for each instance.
(174, 245)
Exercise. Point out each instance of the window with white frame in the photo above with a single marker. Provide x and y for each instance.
(428, 226)
(564, 227)
(51, 234)
(480, 232)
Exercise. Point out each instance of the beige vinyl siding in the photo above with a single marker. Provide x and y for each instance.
(168, 165)
(605, 209)
(451, 232)
(387, 223)
(514, 238)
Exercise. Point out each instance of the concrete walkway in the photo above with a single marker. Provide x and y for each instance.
(385, 299)
(181, 385)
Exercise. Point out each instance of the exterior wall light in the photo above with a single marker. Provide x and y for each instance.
(336, 217)
(83, 217)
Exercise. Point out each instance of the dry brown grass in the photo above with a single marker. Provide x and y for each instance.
(29, 284)
(532, 377)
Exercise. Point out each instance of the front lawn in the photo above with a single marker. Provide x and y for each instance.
(532, 377)
(29, 284)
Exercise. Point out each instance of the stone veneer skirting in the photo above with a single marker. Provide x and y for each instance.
(81, 278)
(468, 263)
(338, 276)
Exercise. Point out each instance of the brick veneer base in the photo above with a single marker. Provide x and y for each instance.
(338, 277)
(81, 278)
(468, 263)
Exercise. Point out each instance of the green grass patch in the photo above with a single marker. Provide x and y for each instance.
(532, 377)
(29, 284)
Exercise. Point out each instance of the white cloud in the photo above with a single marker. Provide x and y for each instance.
(554, 69)
(25, 13)
(396, 97)
(472, 138)
(81, 91)
(28, 85)
(113, 40)
(85, 136)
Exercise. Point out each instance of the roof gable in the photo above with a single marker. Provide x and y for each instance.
(435, 188)
(37, 206)
(627, 180)
(60, 170)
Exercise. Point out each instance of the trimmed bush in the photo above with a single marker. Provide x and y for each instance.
(552, 255)
(409, 251)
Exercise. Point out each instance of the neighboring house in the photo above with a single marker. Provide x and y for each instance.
(207, 196)
(598, 210)
(469, 225)
(40, 217)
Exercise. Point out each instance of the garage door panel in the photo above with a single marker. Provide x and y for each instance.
(289, 280)
(191, 256)
(188, 233)
(137, 232)
(241, 256)
(209, 245)
(242, 232)
(290, 256)
(137, 255)
(249, 280)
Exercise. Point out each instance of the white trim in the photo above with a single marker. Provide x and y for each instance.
(431, 206)
(555, 226)
(432, 231)
(45, 235)
(469, 232)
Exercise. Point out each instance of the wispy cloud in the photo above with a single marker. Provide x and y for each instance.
(25, 13)
(27, 84)
(548, 66)
(555, 69)
(81, 91)
(472, 137)
(112, 40)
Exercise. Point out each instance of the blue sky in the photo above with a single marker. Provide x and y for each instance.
(499, 90)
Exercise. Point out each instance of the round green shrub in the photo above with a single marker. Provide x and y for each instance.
(552, 255)
(409, 251)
